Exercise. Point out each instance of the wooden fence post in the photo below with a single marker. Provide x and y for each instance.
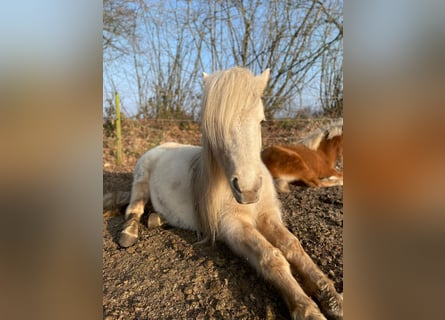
(118, 129)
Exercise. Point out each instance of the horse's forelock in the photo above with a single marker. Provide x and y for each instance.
(227, 96)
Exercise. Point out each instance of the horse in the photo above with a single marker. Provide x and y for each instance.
(311, 161)
(223, 191)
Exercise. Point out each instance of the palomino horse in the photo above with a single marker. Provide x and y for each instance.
(309, 161)
(223, 191)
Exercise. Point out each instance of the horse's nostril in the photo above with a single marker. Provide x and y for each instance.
(236, 185)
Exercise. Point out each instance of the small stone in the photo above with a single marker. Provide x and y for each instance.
(188, 291)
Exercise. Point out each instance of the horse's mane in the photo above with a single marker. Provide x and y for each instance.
(226, 95)
(312, 141)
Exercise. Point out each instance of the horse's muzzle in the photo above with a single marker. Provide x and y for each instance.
(246, 196)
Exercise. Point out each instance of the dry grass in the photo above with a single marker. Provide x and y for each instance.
(138, 136)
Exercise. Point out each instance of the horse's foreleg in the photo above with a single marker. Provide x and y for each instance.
(314, 281)
(331, 181)
(246, 241)
(332, 178)
(140, 194)
(310, 178)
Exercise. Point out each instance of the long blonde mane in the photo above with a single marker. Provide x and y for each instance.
(226, 95)
(313, 140)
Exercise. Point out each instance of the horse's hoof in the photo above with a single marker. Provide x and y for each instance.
(312, 312)
(127, 240)
(154, 221)
(334, 315)
(334, 309)
(315, 316)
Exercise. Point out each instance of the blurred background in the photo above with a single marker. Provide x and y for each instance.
(62, 61)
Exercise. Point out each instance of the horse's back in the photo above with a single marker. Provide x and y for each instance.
(170, 181)
(306, 153)
(290, 162)
(281, 158)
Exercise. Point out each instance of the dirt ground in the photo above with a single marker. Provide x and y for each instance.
(165, 275)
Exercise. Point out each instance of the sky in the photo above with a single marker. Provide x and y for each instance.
(126, 84)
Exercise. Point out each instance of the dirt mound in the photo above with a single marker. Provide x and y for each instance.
(166, 276)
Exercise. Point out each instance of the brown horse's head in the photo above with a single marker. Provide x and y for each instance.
(331, 143)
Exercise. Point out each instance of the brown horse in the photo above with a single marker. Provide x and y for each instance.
(311, 161)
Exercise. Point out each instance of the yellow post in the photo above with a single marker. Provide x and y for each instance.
(118, 130)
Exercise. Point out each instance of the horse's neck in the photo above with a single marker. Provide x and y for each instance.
(329, 150)
(211, 189)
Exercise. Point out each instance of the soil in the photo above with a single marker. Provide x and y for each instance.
(166, 275)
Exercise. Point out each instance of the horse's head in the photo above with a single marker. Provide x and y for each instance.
(232, 127)
(337, 137)
(332, 142)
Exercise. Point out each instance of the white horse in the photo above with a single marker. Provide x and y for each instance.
(223, 191)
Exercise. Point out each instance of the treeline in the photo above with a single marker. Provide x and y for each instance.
(161, 48)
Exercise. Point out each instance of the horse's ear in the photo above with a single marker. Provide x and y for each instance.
(262, 80)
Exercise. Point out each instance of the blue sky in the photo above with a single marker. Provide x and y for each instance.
(120, 71)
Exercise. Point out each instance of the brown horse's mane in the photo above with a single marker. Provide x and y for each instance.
(313, 140)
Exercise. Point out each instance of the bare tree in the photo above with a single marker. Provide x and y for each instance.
(290, 37)
(118, 24)
(168, 45)
(331, 85)
(174, 59)
(331, 69)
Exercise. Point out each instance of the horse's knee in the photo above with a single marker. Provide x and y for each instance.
(135, 209)
(273, 261)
